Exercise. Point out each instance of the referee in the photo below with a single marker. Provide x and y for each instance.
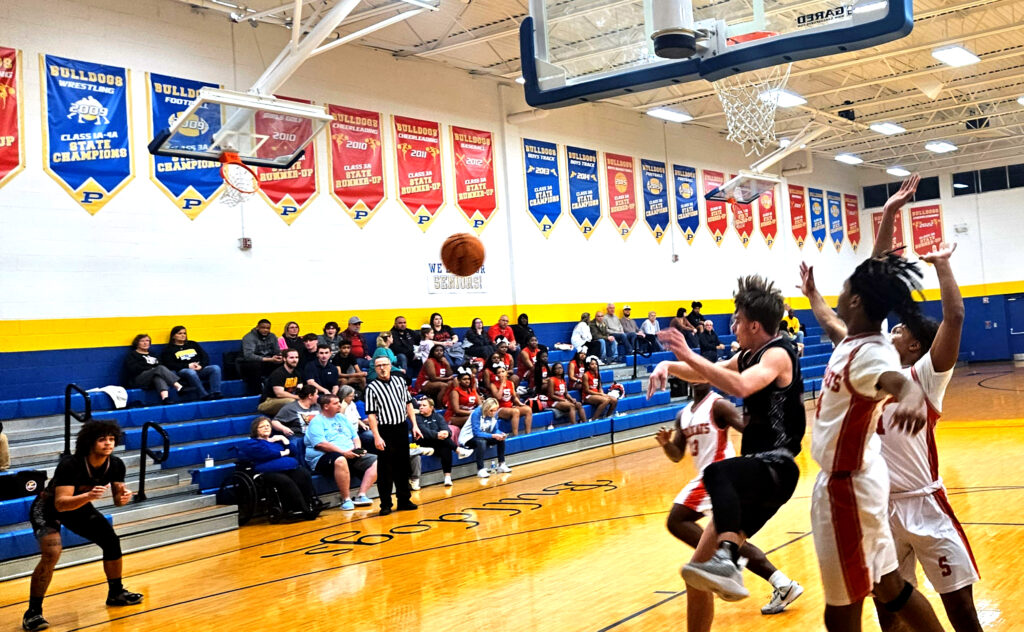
(388, 405)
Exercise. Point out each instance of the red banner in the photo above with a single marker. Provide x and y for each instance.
(898, 240)
(852, 219)
(767, 217)
(926, 228)
(475, 194)
(12, 153)
(798, 213)
(621, 192)
(418, 156)
(357, 162)
(717, 216)
(289, 191)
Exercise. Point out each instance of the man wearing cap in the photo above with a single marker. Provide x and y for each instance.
(633, 335)
(359, 349)
(615, 330)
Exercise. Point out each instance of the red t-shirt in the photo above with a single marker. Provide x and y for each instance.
(558, 387)
(497, 330)
(593, 383)
(521, 369)
(505, 394)
(576, 373)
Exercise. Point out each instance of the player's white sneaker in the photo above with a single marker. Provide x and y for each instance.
(782, 597)
(719, 575)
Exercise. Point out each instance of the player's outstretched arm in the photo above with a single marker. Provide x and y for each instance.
(883, 239)
(911, 410)
(725, 375)
(834, 326)
(946, 346)
(725, 415)
(672, 442)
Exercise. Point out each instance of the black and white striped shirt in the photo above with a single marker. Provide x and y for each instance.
(388, 399)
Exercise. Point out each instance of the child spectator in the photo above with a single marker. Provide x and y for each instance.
(502, 347)
(145, 371)
(189, 361)
(426, 343)
(384, 349)
(349, 371)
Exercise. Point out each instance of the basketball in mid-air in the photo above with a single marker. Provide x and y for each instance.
(462, 254)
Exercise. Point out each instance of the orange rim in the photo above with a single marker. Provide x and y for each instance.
(231, 158)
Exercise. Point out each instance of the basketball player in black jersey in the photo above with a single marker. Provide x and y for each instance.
(747, 490)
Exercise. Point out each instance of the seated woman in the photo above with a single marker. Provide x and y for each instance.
(604, 404)
(527, 357)
(435, 374)
(349, 410)
(462, 399)
(560, 399)
(488, 375)
(290, 338)
(577, 367)
(479, 342)
(439, 436)
(541, 373)
(501, 347)
(685, 327)
(444, 336)
(272, 458)
(384, 349)
(482, 431)
(144, 370)
(509, 406)
(188, 360)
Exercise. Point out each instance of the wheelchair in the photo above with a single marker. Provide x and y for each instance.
(254, 496)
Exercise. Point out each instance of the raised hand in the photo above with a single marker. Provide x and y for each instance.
(675, 342)
(807, 286)
(942, 253)
(907, 190)
(658, 380)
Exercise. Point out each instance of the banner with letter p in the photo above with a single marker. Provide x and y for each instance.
(652, 173)
(543, 187)
(835, 219)
(584, 189)
(12, 149)
(818, 228)
(475, 195)
(357, 162)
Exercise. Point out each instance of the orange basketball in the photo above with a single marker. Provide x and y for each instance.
(462, 254)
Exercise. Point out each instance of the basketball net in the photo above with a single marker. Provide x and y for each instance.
(240, 178)
(749, 101)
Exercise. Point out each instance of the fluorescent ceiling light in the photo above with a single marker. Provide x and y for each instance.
(786, 98)
(1020, 100)
(520, 80)
(849, 159)
(871, 5)
(887, 128)
(955, 56)
(899, 172)
(940, 146)
(785, 142)
(959, 185)
(666, 114)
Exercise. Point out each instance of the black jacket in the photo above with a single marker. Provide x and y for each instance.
(432, 425)
(404, 341)
(135, 364)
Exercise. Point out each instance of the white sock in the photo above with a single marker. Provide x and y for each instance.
(779, 580)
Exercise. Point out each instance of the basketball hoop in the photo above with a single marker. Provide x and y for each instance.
(749, 101)
(241, 179)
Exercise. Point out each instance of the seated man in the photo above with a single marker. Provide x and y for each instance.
(321, 374)
(599, 331)
(793, 323)
(282, 385)
(360, 350)
(614, 326)
(307, 353)
(349, 371)
(634, 336)
(501, 329)
(650, 329)
(710, 345)
(261, 355)
(333, 449)
(293, 419)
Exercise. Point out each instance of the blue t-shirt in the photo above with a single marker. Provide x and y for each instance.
(336, 430)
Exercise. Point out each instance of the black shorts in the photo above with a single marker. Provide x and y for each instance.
(356, 466)
(85, 521)
(780, 475)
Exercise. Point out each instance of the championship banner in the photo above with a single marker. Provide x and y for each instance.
(767, 217)
(86, 137)
(543, 188)
(584, 189)
(718, 217)
(687, 210)
(852, 219)
(655, 197)
(743, 220)
(818, 228)
(12, 152)
(621, 192)
(190, 184)
(356, 158)
(898, 240)
(926, 228)
(475, 193)
(418, 156)
(798, 214)
(835, 219)
(289, 191)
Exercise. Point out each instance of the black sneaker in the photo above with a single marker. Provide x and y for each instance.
(407, 506)
(385, 511)
(124, 598)
(34, 621)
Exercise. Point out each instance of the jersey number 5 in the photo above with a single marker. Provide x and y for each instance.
(944, 566)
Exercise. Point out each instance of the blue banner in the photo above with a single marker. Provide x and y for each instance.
(835, 219)
(191, 184)
(86, 139)
(817, 217)
(543, 190)
(687, 211)
(584, 189)
(652, 173)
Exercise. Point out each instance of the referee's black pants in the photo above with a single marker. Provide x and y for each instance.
(393, 464)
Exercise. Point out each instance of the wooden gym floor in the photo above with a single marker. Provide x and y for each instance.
(575, 543)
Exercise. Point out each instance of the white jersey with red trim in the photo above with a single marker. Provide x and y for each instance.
(913, 459)
(844, 438)
(705, 441)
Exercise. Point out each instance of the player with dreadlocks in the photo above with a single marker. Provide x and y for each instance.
(849, 504)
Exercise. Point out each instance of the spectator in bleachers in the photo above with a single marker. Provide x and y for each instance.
(522, 331)
(577, 367)
(282, 386)
(622, 342)
(695, 317)
(710, 345)
(541, 373)
(560, 399)
(788, 334)
(601, 335)
(261, 355)
(650, 329)
(5, 451)
(360, 349)
(527, 358)
(479, 342)
(462, 399)
(509, 405)
(350, 410)
(321, 373)
(294, 417)
(307, 353)
(444, 336)
(384, 349)
(501, 330)
(581, 336)
(502, 349)
(629, 329)
(349, 371)
(792, 323)
(273, 458)
(604, 404)
(333, 449)
(482, 431)
(438, 434)
(489, 374)
(403, 344)
(682, 324)
(435, 374)
(330, 336)
(290, 338)
(144, 370)
(425, 344)
(188, 359)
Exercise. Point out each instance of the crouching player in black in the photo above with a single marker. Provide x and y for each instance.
(67, 500)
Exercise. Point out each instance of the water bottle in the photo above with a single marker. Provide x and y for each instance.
(209, 461)
(494, 465)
